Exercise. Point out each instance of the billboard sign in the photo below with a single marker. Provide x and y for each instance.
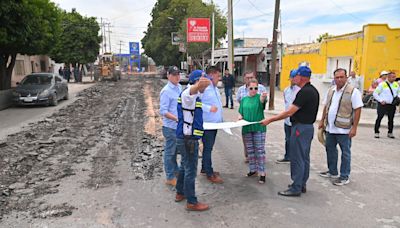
(198, 30)
(134, 52)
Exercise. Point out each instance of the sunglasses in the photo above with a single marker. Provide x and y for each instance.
(253, 88)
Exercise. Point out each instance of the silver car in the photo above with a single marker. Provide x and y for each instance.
(41, 89)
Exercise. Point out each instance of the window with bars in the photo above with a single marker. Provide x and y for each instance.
(19, 67)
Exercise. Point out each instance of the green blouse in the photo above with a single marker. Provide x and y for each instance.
(252, 110)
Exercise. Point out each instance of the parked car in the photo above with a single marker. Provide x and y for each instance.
(41, 89)
(184, 78)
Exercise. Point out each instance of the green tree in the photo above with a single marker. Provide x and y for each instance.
(144, 61)
(323, 37)
(26, 27)
(170, 16)
(79, 42)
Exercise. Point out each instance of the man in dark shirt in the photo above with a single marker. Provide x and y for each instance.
(303, 113)
(229, 84)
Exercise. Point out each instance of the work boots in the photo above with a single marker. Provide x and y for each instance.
(197, 207)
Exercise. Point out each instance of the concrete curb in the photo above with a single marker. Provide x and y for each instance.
(361, 123)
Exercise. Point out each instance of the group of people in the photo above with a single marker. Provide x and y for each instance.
(66, 73)
(383, 91)
(184, 112)
(387, 95)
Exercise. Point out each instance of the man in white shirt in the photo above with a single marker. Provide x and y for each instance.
(384, 94)
(340, 118)
(355, 81)
(289, 94)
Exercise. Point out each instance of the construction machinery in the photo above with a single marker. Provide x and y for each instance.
(107, 68)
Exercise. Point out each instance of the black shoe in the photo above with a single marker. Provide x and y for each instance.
(226, 106)
(250, 174)
(262, 180)
(289, 193)
(232, 107)
(281, 161)
(303, 189)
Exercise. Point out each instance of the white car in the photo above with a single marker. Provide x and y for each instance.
(184, 78)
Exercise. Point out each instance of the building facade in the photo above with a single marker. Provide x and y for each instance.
(367, 52)
(25, 65)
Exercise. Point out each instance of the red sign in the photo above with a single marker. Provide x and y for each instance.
(198, 30)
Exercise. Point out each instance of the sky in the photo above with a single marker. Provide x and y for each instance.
(302, 21)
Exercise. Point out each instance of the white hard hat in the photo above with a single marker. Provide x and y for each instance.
(384, 72)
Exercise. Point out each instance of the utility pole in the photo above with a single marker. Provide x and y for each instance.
(109, 36)
(281, 43)
(102, 35)
(119, 59)
(213, 35)
(273, 61)
(230, 37)
(103, 27)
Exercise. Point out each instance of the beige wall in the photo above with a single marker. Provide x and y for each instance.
(25, 65)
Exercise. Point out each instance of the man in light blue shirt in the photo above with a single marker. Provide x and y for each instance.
(212, 112)
(289, 94)
(243, 91)
(168, 110)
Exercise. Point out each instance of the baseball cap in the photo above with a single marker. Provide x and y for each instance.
(195, 76)
(304, 71)
(173, 70)
(293, 73)
(384, 72)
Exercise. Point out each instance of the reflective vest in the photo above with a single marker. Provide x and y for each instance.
(197, 123)
(344, 115)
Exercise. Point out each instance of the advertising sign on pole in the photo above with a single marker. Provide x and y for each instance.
(198, 30)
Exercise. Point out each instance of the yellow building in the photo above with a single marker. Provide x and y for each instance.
(367, 52)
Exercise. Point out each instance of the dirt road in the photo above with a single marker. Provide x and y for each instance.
(109, 126)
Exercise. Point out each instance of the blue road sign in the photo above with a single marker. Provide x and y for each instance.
(134, 52)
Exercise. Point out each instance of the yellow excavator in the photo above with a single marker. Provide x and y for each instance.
(108, 68)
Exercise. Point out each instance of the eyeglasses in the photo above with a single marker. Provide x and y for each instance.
(253, 88)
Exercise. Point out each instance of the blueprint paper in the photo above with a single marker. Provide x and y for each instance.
(224, 125)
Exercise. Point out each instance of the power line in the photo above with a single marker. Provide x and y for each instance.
(255, 7)
(346, 12)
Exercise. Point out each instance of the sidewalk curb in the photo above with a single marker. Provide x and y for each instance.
(362, 124)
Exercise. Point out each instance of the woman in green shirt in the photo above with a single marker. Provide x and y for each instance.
(252, 109)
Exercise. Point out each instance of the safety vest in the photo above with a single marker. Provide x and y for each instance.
(344, 115)
(197, 123)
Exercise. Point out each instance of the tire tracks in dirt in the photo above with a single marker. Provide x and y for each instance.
(105, 126)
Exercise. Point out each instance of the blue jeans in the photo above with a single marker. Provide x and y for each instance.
(344, 142)
(188, 171)
(208, 144)
(170, 165)
(300, 144)
(228, 96)
(287, 141)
